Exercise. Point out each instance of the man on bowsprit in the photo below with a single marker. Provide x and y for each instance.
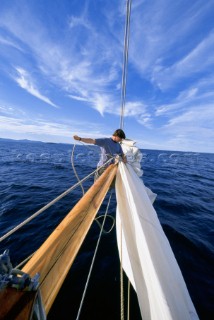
(110, 147)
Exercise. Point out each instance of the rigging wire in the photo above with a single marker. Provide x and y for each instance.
(128, 299)
(24, 261)
(94, 256)
(121, 277)
(123, 101)
(54, 201)
(83, 191)
(125, 61)
(50, 203)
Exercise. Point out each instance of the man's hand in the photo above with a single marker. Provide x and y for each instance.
(76, 137)
(85, 140)
(124, 159)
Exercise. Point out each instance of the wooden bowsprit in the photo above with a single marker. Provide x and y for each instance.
(54, 258)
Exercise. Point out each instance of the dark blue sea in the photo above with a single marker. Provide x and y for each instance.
(34, 173)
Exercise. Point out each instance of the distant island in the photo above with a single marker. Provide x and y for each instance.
(20, 140)
(32, 141)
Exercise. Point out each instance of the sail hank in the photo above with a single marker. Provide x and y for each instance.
(146, 255)
(55, 257)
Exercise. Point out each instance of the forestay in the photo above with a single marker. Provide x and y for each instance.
(147, 257)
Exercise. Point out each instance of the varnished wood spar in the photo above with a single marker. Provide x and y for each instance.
(54, 258)
(15, 304)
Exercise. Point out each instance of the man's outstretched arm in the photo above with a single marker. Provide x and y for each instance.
(85, 140)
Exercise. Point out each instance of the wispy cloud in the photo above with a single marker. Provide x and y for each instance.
(81, 67)
(50, 131)
(201, 94)
(135, 108)
(139, 111)
(81, 21)
(10, 43)
(157, 48)
(26, 82)
(37, 128)
(194, 117)
(78, 98)
(193, 63)
(192, 129)
(6, 110)
(79, 54)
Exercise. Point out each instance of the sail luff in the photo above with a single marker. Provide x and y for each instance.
(147, 257)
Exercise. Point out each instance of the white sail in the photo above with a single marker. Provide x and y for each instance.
(146, 255)
(134, 157)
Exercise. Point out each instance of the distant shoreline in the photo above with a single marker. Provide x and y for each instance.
(71, 144)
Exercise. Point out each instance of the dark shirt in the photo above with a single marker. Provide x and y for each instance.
(108, 148)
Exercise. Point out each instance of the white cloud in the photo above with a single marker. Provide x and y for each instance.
(8, 42)
(78, 98)
(45, 130)
(26, 82)
(198, 60)
(81, 21)
(146, 120)
(188, 94)
(191, 130)
(37, 127)
(139, 111)
(100, 102)
(82, 66)
(81, 58)
(134, 108)
(198, 94)
(166, 44)
(195, 118)
(10, 110)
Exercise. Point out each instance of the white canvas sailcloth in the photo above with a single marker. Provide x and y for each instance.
(146, 255)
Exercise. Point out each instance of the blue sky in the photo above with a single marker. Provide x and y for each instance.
(61, 68)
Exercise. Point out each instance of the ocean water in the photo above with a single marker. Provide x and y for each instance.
(34, 173)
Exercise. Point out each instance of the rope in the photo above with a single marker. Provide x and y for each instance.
(125, 62)
(128, 301)
(49, 204)
(121, 278)
(92, 263)
(99, 224)
(72, 163)
(83, 191)
(75, 172)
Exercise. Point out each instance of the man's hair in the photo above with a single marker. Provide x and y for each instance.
(119, 133)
